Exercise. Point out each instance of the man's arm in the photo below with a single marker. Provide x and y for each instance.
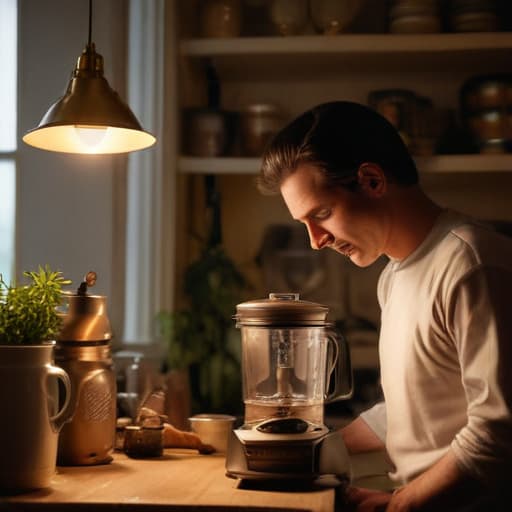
(442, 487)
(360, 438)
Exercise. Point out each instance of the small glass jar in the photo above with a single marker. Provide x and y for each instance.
(140, 442)
(259, 122)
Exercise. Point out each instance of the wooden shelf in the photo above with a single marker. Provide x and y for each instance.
(349, 44)
(224, 165)
(479, 51)
(433, 164)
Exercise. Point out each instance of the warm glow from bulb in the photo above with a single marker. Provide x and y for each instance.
(91, 137)
(88, 139)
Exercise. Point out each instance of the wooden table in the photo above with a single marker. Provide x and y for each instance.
(179, 480)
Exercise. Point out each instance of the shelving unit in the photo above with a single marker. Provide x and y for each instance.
(430, 164)
(285, 58)
(421, 51)
(298, 72)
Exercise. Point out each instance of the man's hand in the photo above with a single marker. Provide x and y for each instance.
(367, 500)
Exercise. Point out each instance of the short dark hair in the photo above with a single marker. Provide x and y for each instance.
(337, 137)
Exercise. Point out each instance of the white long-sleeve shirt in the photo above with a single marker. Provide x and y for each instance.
(445, 352)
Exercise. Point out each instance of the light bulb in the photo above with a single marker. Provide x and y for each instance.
(90, 137)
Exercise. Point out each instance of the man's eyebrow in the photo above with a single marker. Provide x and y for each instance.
(310, 213)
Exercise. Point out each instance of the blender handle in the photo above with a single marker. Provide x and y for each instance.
(340, 369)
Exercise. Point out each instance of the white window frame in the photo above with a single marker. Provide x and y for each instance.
(12, 155)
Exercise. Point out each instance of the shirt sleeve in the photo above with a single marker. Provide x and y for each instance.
(375, 418)
(481, 323)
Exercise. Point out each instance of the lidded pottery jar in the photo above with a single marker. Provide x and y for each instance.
(83, 350)
(259, 122)
(220, 18)
(289, 17)
(333, 16)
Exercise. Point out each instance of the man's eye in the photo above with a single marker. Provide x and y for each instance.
(322, 214)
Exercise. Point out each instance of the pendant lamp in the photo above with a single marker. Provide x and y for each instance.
(90, 118)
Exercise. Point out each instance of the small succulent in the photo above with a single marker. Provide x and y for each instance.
(28, 313)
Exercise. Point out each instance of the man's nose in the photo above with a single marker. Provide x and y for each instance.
(318, 237)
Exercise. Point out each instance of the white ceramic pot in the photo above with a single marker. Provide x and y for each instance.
(30, 415)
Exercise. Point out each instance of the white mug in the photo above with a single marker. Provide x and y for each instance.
(30, 416)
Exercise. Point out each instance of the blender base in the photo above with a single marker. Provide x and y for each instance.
(320, 460)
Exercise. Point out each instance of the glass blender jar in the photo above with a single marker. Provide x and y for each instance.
(293, 362)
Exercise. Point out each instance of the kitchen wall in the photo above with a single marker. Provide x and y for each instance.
(67, 205)
(483, 195)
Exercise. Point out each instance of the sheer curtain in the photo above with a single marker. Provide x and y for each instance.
(149, 280)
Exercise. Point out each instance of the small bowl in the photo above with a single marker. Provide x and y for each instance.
(213, 429)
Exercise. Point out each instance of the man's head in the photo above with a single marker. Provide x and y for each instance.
(340, 168)
(337, 137)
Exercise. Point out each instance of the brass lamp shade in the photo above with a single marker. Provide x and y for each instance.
(90, 118)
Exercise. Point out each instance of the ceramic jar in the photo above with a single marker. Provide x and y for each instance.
(333, 16)
(220, 18)
(289, 17)
(259, 122)
(207, 132)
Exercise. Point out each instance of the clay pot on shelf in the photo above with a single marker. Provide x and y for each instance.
(221, 18)
(289, 17)
(259, 122)
(208, 132)
(333, 16)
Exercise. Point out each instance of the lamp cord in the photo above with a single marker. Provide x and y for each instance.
(90, 23)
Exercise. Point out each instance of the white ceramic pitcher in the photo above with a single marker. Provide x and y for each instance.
(30, 415)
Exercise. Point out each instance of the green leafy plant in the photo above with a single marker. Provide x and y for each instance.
(203, 337)
(28, 313)
(178, 329)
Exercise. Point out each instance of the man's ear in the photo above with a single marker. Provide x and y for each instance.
(372, 180)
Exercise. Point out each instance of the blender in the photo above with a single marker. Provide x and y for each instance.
(293, 362)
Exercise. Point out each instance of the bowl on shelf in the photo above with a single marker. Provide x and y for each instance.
(414, 17)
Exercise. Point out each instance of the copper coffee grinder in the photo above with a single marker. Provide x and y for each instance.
(293, 362)
(83, 350)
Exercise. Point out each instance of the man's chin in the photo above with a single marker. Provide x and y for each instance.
(358, 259)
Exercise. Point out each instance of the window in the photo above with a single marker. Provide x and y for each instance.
(8, 107)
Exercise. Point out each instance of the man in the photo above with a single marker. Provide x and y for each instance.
(446, 331)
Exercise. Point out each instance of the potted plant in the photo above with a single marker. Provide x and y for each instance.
(29, 391)
(201, 340)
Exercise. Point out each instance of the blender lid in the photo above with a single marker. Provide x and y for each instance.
(281, 309)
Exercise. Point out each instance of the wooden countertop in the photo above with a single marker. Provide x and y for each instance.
(179, 480)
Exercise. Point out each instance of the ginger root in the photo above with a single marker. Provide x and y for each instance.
(175, 438)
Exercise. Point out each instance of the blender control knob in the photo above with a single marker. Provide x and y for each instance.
(283, 426)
